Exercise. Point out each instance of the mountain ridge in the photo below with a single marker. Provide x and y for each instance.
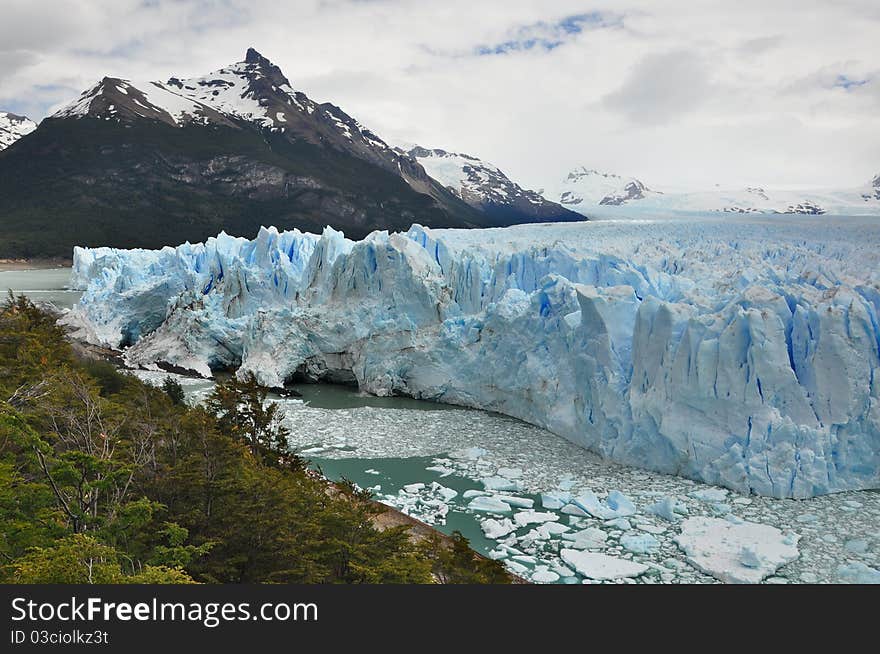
(485, 187)
(143, 164)
(584, 190)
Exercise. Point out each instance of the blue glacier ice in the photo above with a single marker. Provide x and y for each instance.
(742, 353)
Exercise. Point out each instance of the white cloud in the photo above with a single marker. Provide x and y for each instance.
(679, 93)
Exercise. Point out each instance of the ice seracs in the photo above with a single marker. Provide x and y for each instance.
(740, 354)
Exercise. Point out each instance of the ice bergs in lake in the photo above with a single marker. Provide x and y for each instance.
(856, 572)
(667, 508)
(711, 495)
(555, 500)
(639, 543)
(524, 518)
(601, 566)
(631, 339)
(518, 502)
(496, 483)
(544, 576)
(497, 528)
(735, 553)
(489, 504)
(619, 523)
(590, 538)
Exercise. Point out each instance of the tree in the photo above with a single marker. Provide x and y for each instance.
(81, 559)
(244, 413)
(174, 390)
(457, 563)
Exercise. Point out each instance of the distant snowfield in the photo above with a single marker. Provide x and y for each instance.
(741, 351)
(588, 191)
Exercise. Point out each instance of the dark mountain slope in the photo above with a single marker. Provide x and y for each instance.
(153, 164)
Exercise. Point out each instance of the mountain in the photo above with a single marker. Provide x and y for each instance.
(584, 190)
(484, 187)
(143, 164)
(13, 127)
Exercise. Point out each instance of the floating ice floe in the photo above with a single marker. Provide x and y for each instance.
(856, 572)
(600, 566)
(709, 494)
(668, 508)
(555, 500)
(524, 518)
(544, 576)
(495, 529)
(639, 543)
(496, 483)
(619, 523)
(518, 502)
(736, 553)
(489, 504)
(587, 539)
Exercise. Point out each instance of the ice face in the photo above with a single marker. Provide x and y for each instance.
(742, 354)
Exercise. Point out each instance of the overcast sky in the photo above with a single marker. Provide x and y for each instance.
(680, 93)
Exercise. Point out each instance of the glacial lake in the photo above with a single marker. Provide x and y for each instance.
(41, 285)
(432, 461)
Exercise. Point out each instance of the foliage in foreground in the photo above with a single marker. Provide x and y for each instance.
(104, 479)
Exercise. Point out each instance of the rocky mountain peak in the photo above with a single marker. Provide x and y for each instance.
(257, 63)
(254, 57)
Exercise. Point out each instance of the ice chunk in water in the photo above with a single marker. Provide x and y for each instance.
(598, 566)
(735, 553)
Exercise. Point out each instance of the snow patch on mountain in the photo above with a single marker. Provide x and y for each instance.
(470, 178)
(743, 354)
(483, 185)
(13, 127)
(584, 189)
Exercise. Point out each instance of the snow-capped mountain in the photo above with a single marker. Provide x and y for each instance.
(584, 190)
(232, 150)
(255, 91)
(484, 186)
(13, 127)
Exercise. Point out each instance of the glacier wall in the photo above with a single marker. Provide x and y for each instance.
(739, 354)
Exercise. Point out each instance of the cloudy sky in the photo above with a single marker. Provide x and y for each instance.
(681, 93)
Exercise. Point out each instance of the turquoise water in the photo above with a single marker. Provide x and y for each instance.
(394, 473)
(329, 396)
(41, 285)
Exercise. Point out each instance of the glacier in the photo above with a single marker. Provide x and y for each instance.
(741, 352)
